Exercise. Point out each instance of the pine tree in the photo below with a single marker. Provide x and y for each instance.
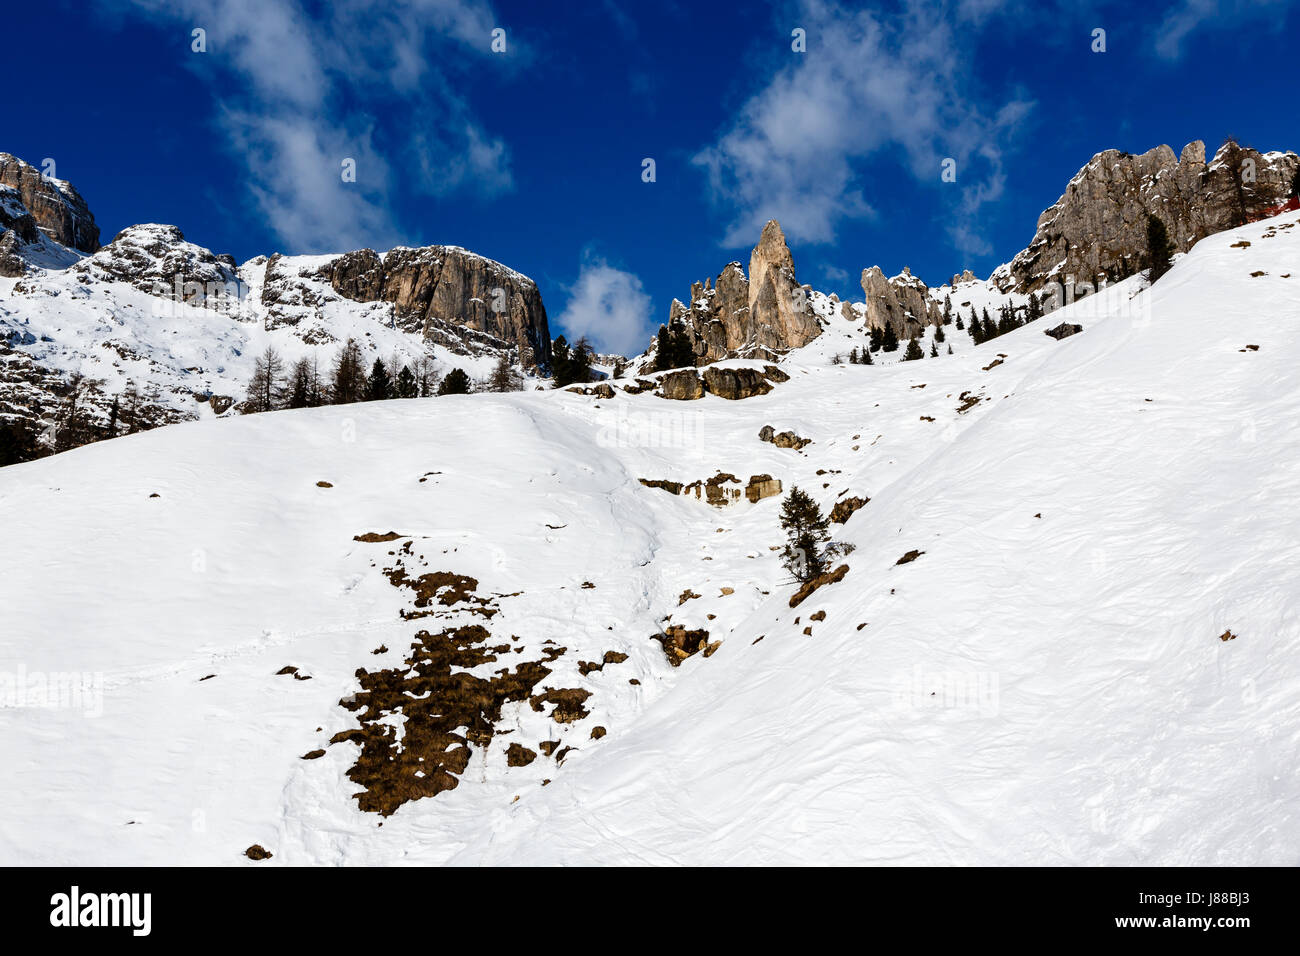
(866, 357)
(938, 333)
(349, 375)
(456, 383)
(407, 387)
(679, 345)
(298, 393)
(913, 350)
(583, 355)
(264, 387)
(379, 386)
(562, 371)
(620, 368)
(315, 389)
(69, 432)
(934, 350)
(663, 350)
(503, 378)
(426, 377)
(1160, 251)
(960, 324)
(947, 310)
(131, 408)
(877, 339)
(890, 340)
(110, 431)
(18, 442)
(1005, 320)
(1035, 307)
(807, 533)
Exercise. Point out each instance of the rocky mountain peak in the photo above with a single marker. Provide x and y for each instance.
(1097, 229)
(156, 258)
(759, 316)
(54, 204)
(771, 251)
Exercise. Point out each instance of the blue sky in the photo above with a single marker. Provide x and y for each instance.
(534, 156)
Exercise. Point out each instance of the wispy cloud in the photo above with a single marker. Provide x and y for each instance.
(295, 89)
(609, 306)
(1188, 16)
(868, 86)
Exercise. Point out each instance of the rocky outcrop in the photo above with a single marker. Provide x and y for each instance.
(1097, 229)
(683, 386)
(903, 303)
(778, 305)
(23, 243)
(721, 490)
(1064, 330)
(759, 316)
(55, 205)
(735, 384)
(845, 508)
(762, 486)
(446, 284)
(157, 259)
(732, 384)
(808, 587)
(786, 439)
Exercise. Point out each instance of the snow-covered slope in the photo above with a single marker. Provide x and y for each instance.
(1047, 681)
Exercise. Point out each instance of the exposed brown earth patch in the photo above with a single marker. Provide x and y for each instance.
(568, 703)
(909, 557)
(428, 754)
(374, 537)
(445, 587)
(517, 755)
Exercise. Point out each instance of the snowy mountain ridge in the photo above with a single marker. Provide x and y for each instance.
(1071, 600)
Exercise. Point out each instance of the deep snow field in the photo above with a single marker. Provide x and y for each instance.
(1045, 684)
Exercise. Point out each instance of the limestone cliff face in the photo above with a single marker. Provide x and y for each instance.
(759, 316)
(903, 303)
(55, 205)
(444, 284)
(1098, 226)
(778, 304)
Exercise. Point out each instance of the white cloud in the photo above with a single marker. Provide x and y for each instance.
(610, 307)
(293, 88)
(1186, 17)
(868, 87)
